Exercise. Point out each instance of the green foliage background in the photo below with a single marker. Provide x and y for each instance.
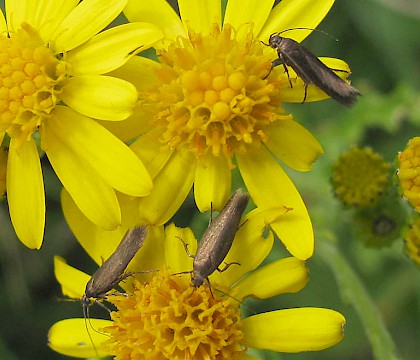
(380, 41)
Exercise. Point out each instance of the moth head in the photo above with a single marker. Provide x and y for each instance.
(275, 40)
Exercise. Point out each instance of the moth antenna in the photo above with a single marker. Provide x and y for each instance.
(305, 28)
(252, 311)
(87, 319)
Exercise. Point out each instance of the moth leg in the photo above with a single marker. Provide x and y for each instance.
(227, 265)
(306, 93)
(95, 301)
(211, 207)
(209, 285)
(131, 273)
(288, 76)
(186, 248)
(340, 70)
(271, 69)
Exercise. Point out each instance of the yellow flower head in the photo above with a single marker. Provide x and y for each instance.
(162, 315)
(360, 176)
(409, 172)
(52, 65)
(209, 104)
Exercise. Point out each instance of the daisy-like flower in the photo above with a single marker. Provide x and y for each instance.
(209, 105)
(52, 87)
(162, 316)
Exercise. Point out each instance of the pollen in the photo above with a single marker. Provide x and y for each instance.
(409, 172)
(168, 319)
(29, 83)
(213, 94)
(360, 176)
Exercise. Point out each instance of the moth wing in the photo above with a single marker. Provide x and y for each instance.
(314, 71)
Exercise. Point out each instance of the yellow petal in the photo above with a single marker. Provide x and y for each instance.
(96, 199)
(79, 338)
(251, 238)
(25, 193)
(129, 129)
(240, 12)
(3, 26)
(16, 12)
(85, 21)
(45, 15)
(170, 189)
(98, 243)
(100, 97)
(141, 72)
(212, 183)
(175, 254)
(293, 144)
(270, 186)
(157, 12)
(138, 70)
(112, 48)
(107, 155)
(3, 172)
(73, 282)
(150, 153)
(288, 275)
(294, 330)
(290, 14)
(200, 15)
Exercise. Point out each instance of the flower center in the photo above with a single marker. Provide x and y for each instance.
(168, 319)
(213, 96)
(30, 75)
(359, 176)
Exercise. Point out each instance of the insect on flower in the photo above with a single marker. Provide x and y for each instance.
(218, 237)
(112, 270)
(312, 71)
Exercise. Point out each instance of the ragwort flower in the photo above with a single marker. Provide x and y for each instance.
(208, 106)
(52, 87)
(162, 316)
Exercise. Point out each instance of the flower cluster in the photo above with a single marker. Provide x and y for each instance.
(129, 138)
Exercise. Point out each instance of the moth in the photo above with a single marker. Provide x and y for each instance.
(218, 238)
(310, 69)
(112, 270)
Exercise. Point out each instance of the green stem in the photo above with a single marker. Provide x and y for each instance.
(353, 292)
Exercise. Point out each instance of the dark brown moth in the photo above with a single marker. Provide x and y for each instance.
(312, 71)
(218, 237)
(112, 270)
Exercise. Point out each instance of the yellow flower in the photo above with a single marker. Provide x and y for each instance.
(164, 317)
(208, 106)
(52, 65)
(360, 176)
